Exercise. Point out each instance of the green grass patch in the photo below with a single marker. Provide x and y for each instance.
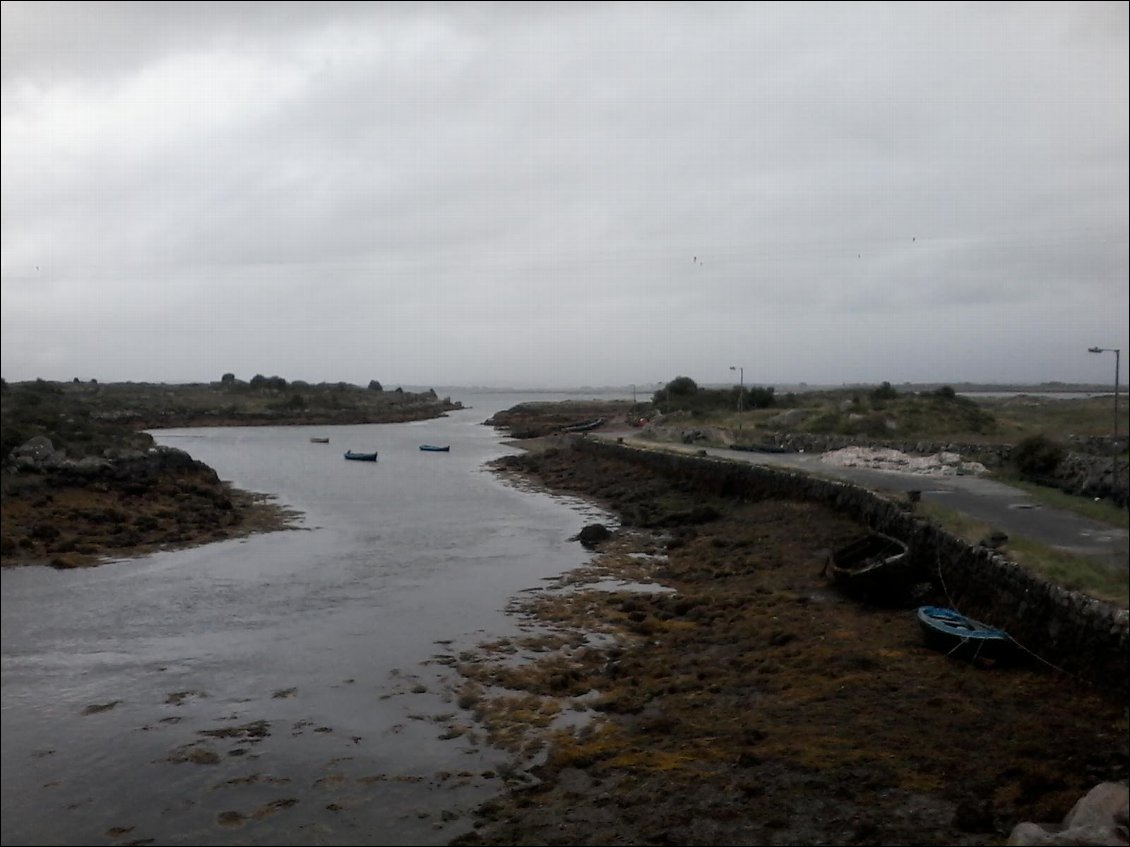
(1071, 571)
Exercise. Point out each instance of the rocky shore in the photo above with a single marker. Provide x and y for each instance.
(71, 513)
(703, 683)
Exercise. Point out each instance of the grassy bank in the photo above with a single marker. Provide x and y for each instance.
(1076, 573)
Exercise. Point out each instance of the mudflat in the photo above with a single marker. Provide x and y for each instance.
(702, 682)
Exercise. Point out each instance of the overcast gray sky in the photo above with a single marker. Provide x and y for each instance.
(565, 194)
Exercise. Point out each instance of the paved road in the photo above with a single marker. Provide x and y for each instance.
(1011, 510)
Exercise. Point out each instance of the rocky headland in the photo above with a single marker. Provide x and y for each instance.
(71, 513)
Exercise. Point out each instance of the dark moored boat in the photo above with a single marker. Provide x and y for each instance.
(873, 566)
(432, 448)
(361, 457)
(318, 440)
(583, 426)
(963, 637)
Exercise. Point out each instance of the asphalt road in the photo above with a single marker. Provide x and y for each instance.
(1010, 510)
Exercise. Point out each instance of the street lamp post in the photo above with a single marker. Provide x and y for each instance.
(741, 385)
(1117, 355)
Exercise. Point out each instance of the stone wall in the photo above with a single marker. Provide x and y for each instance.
(991, 455)
(1063, 629)
(1089, 471)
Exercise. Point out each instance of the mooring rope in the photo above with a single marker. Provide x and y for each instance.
(1011, 638)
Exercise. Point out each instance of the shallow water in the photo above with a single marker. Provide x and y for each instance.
(288, 688)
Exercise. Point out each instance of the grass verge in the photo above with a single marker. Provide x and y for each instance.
(1073, 572)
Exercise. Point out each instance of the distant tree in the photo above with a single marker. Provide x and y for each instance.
(884, 392)
(296, 402)
(274, 383)
(681, 386)
(227, 379)
(759, 398)
(375, 386)
(945, 393)
(76, 381)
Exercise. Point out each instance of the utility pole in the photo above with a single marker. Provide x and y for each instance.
(741, 391)
(1117, 355)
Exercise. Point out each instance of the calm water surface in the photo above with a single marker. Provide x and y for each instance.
(289, 688)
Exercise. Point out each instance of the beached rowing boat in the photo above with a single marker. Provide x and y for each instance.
(873, 566)
(961, 636)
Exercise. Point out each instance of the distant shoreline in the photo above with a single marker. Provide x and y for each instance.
(644, 389)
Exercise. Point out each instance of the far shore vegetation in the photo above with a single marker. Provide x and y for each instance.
(85, 418)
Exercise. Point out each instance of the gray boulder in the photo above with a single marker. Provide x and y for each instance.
(593, 534)
(37, 452)
(1099, 818)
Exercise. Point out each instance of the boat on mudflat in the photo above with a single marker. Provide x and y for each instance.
(361, 457)
(319, 440)
(961, 636)
(583, 426)
(432, 448)
(873, 566)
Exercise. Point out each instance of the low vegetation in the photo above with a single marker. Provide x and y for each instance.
(883, 411)
(1036, 433)
(85, 418)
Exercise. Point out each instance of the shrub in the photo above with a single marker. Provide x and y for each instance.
(1037, 456)
(884, 392)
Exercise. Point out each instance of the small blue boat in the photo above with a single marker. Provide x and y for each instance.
(962, 637)
(361, 457)
(432, 448)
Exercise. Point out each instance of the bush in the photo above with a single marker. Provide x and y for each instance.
(884, 392)
(1037, 456)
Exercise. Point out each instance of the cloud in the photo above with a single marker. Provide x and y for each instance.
(563, 193)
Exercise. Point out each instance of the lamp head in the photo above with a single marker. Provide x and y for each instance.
(1094, 349)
